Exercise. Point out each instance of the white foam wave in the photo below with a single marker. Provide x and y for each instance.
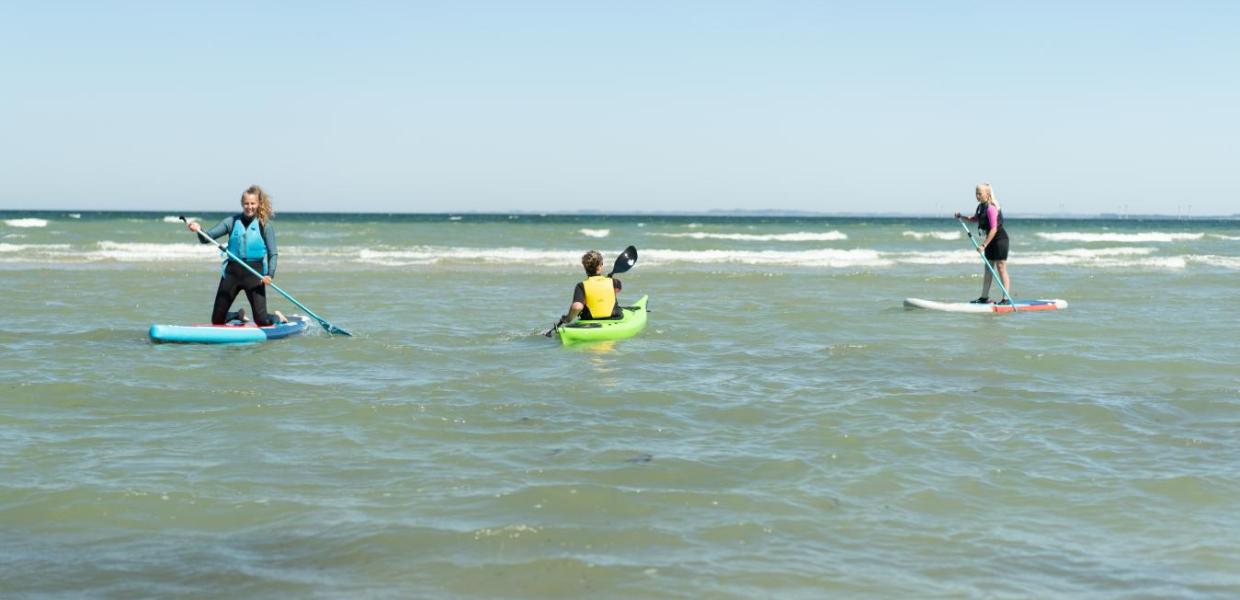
(1104, 258)
(800, 236)
(1119, 257)
(1226, 262)
(147, 252)
(178, 219)
(1219, 236)
(427, 255)
(1129, 257)
(948, 257)
(318, 234)
(75, 215)
(934, 235)
(1125, 238)
(595, 233)
(35, 253)
(33, 248)
(454, 218)
(26, 222)
(823, 257)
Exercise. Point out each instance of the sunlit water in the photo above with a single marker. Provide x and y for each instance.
(783, 427)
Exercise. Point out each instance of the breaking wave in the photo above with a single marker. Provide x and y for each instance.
(1123, 238)
(1120, 257)
(800, 236)
(934, 235)
(26, 222)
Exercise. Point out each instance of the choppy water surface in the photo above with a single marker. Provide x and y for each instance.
(782, 428)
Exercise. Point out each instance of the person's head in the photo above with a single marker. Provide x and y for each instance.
(255, 201)
(984, 193)
(593, 262)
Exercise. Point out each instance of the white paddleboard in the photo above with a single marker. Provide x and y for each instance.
(969, 307)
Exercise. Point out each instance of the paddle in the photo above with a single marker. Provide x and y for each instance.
(998, 280)
(623, 263)
(328, 327)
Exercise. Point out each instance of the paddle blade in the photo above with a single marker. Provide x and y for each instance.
(333, 330)
(625, 261)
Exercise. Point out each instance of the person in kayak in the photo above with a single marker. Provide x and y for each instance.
(994, 246)
(597, 297)
(251, 238)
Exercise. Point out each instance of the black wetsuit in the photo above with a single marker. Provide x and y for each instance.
(237, 279)
(997, 249)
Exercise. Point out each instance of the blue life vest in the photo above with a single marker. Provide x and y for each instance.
(247, 243)
(983, 219)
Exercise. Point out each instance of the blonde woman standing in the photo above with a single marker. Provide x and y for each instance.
(994, 246)
(251, 238)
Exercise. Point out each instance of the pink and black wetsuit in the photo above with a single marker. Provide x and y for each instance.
(989, 217)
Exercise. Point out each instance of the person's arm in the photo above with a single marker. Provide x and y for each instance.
(579, 304)
(989, 236)
(224, 226)
(969, 219)
(269, 238)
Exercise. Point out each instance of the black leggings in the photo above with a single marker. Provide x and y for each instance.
(236, 279)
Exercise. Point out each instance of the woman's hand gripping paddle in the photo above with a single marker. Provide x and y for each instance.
(624, 262)
(328, 327)
(998, 280)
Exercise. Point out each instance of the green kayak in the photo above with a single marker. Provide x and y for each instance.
(595, 330)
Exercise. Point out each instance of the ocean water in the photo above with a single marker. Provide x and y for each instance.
(782, 428)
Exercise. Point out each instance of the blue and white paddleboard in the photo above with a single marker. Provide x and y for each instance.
(228, 334)
(969, 307)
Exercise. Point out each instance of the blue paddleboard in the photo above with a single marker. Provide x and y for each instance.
(228, 334)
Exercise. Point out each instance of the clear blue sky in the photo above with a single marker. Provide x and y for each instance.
(495, 106)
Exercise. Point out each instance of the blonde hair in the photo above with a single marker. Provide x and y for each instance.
(592, 260)
(265, 212)
(988, 193)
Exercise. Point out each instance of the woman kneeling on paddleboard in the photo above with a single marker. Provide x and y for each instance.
(252, 239)
(598, 296)
(989, 219)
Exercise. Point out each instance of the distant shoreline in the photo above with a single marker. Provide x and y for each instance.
(577, 215)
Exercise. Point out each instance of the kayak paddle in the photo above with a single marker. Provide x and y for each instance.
(328, 327)
(998, 280)
(623, 263)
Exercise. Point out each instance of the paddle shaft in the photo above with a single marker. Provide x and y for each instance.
(998, 280)
(323, 322)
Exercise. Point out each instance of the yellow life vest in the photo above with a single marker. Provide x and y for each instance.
(600, 296)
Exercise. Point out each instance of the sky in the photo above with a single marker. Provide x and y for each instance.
(875, 107)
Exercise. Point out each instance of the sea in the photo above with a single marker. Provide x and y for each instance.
(783, 428)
